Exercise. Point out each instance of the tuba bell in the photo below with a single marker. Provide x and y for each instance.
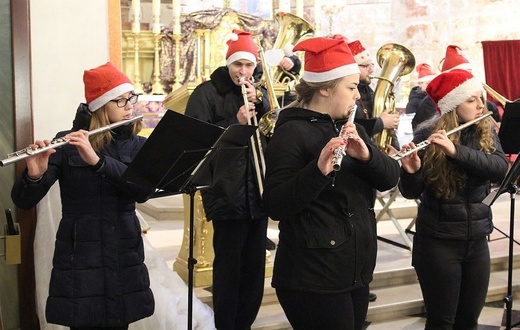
(395, 61)
(291, 29)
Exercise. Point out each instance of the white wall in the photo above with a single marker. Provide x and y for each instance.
(67, 37)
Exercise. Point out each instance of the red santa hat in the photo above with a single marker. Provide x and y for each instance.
(326, 59)
(455, 59)
(104, 83)
(425, 72)
(241, 46)
(360, 53)
(452, 88)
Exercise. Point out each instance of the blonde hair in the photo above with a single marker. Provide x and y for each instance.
(444, 177)
(100, 119)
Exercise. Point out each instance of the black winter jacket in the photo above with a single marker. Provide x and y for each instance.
(463, 217)
(99, 278)
(414, 99)
(235, 195)
(327, 224)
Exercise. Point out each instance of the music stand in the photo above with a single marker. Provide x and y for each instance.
(183, 155)
(509, 139)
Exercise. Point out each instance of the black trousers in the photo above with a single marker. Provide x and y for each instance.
(317, 311)
(238, 272)
(454, 279)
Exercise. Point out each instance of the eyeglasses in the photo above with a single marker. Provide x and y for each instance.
(121, 103)
(367, 66)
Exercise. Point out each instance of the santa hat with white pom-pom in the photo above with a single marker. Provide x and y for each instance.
(241, 46)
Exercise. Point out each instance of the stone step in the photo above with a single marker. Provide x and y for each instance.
(398, 291)
(172, 207)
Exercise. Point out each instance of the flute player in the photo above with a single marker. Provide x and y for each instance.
(328, 245)
(99, 279)
(452, 177)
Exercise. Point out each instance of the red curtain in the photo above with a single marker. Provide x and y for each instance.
(502, 67)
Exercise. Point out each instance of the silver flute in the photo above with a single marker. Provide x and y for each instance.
(339, 152)
(423, 144)
(58, 142)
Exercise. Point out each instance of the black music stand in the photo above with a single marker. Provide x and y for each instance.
(183, 155)
(510, 140)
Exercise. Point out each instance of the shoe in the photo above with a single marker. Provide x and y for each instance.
(270, 245)
(372, 297)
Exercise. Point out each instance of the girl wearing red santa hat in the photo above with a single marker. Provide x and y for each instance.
(99, 279)
(452, 177)
(327, 242)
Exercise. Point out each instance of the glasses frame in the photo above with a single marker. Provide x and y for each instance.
(121, 103)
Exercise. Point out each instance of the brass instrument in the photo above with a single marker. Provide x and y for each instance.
(56, 143)
(423, 144)
(499, 98)
(395, 61)
(339, 152)
(268, 120)
(292, 29)
(256, 143)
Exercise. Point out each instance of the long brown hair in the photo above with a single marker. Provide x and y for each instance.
(446, 178)
(100, 119)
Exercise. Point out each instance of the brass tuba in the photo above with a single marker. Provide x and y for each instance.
(291, 29)
(395, 61)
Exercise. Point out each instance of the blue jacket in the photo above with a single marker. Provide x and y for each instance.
(99, 278)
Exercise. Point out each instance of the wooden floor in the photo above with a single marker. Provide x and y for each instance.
(399, 304)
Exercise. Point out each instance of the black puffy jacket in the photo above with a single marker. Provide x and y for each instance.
(235, 195)
(328, 240)
(463, 217)
(99, 278)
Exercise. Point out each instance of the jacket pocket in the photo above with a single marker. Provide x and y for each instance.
(330, 238)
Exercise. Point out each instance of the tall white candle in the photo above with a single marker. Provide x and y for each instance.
(156, 4)
(285, 6)
(176, 16)
(299, 8)
(317, 18)
(136, 21)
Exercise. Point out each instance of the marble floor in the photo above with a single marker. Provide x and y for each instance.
(166, 237)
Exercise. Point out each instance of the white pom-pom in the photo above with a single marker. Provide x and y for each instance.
(233, 37)
(288, 50)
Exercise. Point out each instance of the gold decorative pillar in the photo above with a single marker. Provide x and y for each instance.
(177, 38)
(202, 246)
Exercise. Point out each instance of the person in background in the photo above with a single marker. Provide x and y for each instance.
(425, 74)
(455, 59)
(234, 203)
(365, 104)
(99, 279)
(327, 236)
(452, 177)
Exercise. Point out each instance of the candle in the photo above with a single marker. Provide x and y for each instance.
(299, 8)
(136, 21)
(284, 6)
(156, 4)
(176, 17)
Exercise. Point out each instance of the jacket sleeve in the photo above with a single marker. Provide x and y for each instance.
(292, 181)
(411, 186)
(113, 170)
(26, 193)
(492, 167)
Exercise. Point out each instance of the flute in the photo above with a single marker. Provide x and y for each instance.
(58, 142)
(339, 152)
(423, 144)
